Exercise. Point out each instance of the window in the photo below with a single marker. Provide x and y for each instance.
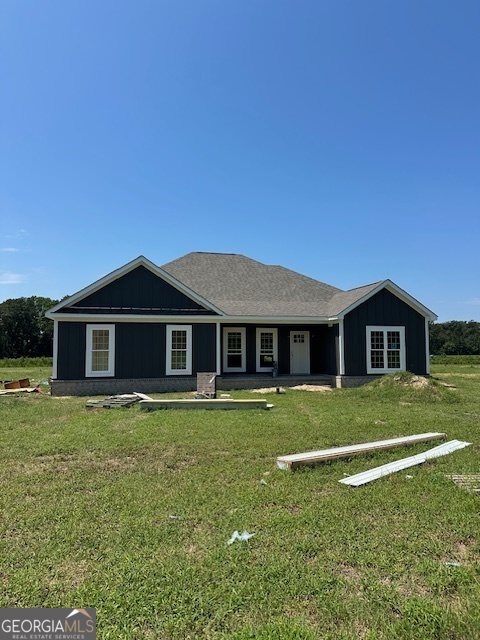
(385, 349)
(234, 349)
(100, 356)
(266, 349)
(179, 350)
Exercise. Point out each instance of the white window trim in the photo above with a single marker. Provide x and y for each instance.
(261, 330)
(401, 330)
(110, 372)
(168, 365)
(242, 331)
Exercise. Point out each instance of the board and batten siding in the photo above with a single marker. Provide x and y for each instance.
(384, 309)
(140, 349)
(139, 291)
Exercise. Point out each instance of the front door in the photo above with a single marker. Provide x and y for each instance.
(299, 352)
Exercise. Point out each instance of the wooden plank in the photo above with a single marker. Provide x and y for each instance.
(204, 404)
(399, 465)
(314, 457)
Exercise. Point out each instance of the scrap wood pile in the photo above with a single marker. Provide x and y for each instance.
(121, 400)
(12, 387)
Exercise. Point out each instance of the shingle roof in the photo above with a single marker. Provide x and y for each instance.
(240, 286)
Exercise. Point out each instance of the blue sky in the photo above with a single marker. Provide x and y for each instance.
(340, 139)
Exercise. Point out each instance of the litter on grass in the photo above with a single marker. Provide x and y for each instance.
(262, 481)
(470, 482)
(405, 463)
(241, 537)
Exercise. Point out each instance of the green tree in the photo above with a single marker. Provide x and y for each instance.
(24, 330)
(455, 338)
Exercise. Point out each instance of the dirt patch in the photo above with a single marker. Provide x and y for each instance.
(298, 387)
(72, 573)
(406, 380)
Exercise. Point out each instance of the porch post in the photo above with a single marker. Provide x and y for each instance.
(55, 349)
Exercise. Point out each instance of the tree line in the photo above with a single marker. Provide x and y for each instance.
(455, 338)
(26, 333)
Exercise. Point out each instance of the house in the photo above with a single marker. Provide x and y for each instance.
(149, 328)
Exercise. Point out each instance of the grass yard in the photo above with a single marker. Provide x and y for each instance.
(87, 499)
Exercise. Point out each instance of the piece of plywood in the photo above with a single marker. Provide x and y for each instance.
(405, 463)
(10, 392)
(313, 457)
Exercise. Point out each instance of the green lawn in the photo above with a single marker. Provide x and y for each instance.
(87, 498)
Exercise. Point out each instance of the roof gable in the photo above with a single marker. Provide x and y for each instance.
(349, 300)
(140, 287)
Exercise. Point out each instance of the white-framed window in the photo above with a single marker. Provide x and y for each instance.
(100, 353)
(385, 349)
(179, 350)
(267, 349)
(234, 351)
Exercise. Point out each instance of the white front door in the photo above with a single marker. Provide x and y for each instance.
(299, 352)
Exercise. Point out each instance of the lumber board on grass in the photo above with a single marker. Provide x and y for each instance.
(204, 404)
(314, 457)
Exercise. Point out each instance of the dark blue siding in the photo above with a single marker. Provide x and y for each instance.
(384, 309)
(140, 349)
(71, 350)
(139, 291)
(204, 347)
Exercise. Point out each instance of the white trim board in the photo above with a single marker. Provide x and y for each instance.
(392, 467)
(295, 460)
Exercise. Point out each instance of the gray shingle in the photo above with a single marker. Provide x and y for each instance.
(240, 286)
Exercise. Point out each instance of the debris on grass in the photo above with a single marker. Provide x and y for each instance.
(262, 481)
(470, 482)
(15, 391)
(241, 537)
(119, 400)
(378, 472)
